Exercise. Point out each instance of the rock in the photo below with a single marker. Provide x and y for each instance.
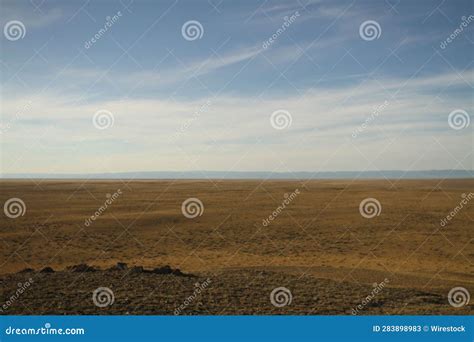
(163, 270)
(178, 272)
(81, 268)
(121, 266)
(136, 269)
(47, 270)
(26, 270)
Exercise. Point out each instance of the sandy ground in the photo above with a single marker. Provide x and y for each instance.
(319, 246)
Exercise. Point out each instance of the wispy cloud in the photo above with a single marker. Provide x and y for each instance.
(172, 74)
(30, 17)
(324, 117)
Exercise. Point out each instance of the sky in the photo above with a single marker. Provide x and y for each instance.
(284, 86)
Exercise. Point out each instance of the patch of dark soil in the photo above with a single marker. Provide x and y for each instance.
(235, 292)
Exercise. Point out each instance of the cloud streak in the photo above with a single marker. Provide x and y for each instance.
(240, 125)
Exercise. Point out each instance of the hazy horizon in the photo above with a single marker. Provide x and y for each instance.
(209, 174)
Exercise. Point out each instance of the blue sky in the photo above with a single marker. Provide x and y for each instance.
(355, 103)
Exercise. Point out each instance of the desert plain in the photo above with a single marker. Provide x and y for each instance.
(318, 247)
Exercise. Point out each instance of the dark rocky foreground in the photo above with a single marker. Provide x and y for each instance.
(167, 291)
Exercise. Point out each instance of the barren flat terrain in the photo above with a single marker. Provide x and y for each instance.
(317, 245)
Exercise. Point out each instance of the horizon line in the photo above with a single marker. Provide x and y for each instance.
(206, 174)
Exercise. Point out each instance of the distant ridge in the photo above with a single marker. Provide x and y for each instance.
(390, 174)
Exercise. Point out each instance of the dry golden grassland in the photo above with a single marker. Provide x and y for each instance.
(319, 246)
